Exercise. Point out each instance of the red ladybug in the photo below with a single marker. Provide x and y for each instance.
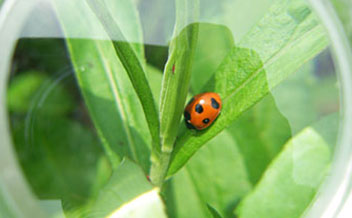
(202, 110)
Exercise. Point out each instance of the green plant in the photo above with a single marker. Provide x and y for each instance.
(252, 153)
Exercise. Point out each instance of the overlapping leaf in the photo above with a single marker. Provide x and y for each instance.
(260, 133)
(291, 181)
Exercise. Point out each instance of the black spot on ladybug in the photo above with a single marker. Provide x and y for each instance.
(190, 101)
(214, 103)
(187, 116)
(206, 121)
(189, 126)
(199, 109)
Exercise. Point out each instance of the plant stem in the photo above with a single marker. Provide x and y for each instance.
(160, 166)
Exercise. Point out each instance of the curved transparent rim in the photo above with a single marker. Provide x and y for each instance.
(332, 194)
(20, 199)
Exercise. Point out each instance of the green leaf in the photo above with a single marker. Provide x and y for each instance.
(260, 134)
(132, 65)
(177, 71)
(214, 212)
(25, 89)
(108, 93)
(288, 36)
(128, 194)
(209, 53)
(292, 179)
(216, 175)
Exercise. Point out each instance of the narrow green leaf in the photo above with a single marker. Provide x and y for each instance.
(175, 84)
(131, 30)
(177, 72)
(106, 88)
(292, 179)
(133, 67)
(288, 36)
(128, 194)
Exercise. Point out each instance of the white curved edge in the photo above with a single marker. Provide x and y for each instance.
(334, 191)
(148, 204)
(19, 198)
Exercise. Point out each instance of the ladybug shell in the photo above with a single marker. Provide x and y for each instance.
(202, 110)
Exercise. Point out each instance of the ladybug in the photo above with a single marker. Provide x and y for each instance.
(202, 110)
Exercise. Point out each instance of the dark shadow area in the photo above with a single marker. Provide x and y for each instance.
(156, 55)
